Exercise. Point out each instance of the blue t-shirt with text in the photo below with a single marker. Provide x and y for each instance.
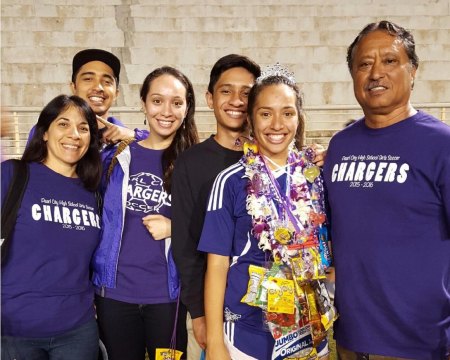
(46, 289)
(142, 267)
(389, 195)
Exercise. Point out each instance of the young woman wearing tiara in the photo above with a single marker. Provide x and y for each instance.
(265, 233)
(136, 278)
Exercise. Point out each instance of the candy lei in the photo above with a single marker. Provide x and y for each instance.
(290, 228)
(275, 229)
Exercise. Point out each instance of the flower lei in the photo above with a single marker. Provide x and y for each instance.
(289, 226)
(274, 230)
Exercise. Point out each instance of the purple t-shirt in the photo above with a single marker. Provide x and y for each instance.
(142, 269)
(46, 289)
(389, 195)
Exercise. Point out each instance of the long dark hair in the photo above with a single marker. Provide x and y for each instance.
(186, 135)
(89, 166)
(277, 80)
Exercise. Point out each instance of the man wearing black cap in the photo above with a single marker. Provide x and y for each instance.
(95, 78)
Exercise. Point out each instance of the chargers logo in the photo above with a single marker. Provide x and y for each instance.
(146, 193)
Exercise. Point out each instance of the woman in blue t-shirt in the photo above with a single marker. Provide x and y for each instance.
(136, 279)
(47, 297)
(266, 237)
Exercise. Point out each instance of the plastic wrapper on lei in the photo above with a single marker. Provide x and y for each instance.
(295, 344)
(291, 331)
(307, 266)
(296, 332)
(256, 274)
(281, 296)
(324, 251)
(327, 311)
(167, 354)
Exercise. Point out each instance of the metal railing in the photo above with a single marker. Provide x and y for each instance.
(322, 122)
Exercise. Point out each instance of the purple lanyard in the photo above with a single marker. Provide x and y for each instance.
(284, 200)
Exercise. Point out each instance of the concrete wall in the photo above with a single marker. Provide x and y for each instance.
(39, 39)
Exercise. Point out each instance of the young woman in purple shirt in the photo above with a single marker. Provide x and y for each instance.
(136, 278)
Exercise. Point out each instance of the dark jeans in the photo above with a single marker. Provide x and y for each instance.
(80, 343)
(127, 330)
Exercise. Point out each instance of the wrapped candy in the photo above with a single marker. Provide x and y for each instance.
(317, 330)
(326, 309)
(282, 235)
(324, 250)
(256, 274)
(167, 354)
(291, 341)
(263, 288)
(281, 296)
(307, 266)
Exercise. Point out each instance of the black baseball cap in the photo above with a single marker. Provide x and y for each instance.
(88, 55)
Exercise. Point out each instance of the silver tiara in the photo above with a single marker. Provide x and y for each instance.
(276, 70)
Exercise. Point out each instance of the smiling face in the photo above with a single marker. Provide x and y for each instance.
(230, 97)
(96, 84)
(382, 76)
(67, 140)
(275, 121)
(165, 107)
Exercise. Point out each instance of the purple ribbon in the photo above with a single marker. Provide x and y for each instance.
(284, 200)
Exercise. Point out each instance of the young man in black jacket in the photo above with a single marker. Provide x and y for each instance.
(231, 79)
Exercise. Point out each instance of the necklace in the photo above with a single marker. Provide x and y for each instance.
(277, 167)
(285, 222)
